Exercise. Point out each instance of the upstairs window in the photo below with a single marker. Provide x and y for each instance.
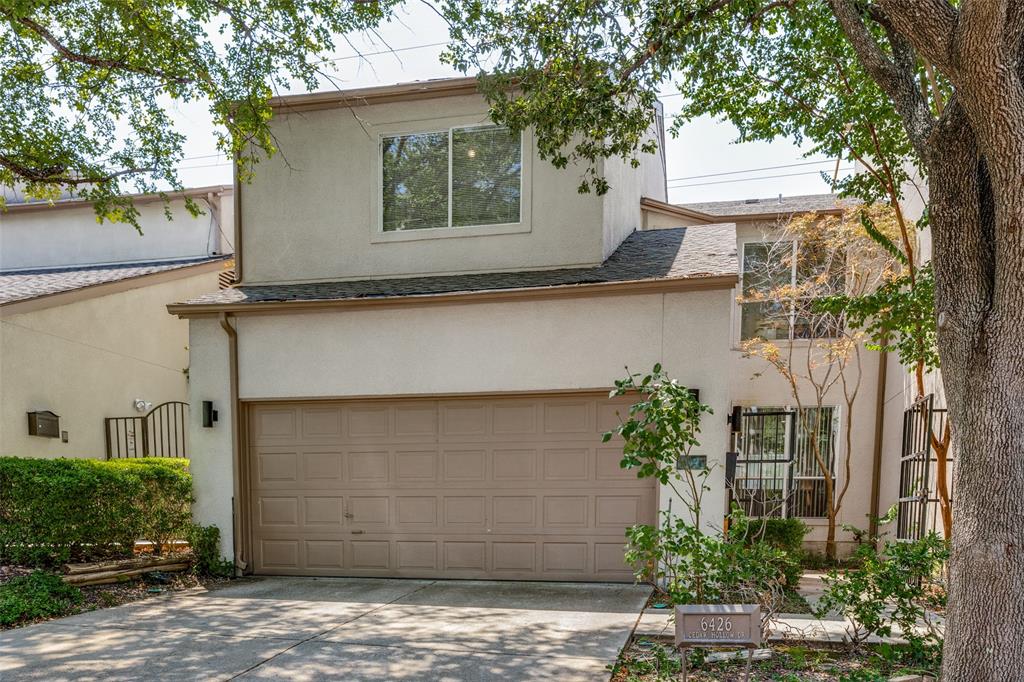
(780, 281)
(461, 177)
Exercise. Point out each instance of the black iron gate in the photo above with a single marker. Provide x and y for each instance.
(162, 432)
(761, 478)
(918, 502)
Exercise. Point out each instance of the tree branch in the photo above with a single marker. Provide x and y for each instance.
(893, 78)
(59, 174)
(91, 60)
(655, 45)
(928, 24)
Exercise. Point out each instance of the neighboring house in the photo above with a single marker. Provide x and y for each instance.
(84, 334)
(411, 375)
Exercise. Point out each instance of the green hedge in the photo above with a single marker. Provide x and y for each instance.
(58, 510)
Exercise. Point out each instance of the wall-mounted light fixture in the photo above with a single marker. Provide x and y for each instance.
(142, 405)
(209, 414)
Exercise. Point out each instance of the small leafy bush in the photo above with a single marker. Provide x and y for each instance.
(57, 510)
(37, 595)
(206, 559)
(889, 590)
(693, 567)
(679, 555)
(785, 535)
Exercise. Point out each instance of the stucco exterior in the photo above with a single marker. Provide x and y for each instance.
(754, 382)
(311, 215)
(487, 348)
(312, 211)
(90, 359)
(64, 235)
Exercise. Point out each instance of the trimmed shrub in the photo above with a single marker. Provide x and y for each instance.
(57, 510)
(36, 595)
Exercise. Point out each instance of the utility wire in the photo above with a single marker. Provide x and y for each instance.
(763, 177)
(751, 170)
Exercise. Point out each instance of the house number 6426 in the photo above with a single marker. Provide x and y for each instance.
(713, 624)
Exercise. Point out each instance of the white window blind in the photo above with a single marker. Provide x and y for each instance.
(459, 178)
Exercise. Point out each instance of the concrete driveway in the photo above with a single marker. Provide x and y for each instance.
(338, 629)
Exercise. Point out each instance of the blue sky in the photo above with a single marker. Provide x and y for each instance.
(703, 162)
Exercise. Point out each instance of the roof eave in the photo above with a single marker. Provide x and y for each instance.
(674, 284)
(402, 92)
(59, 298)
(142, 198)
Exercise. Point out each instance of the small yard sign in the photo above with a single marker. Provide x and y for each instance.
(718, 625)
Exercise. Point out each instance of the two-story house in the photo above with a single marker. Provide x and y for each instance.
(91, 365)
(411, 375)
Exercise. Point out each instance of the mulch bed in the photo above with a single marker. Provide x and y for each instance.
(652, 659)
(104, 596)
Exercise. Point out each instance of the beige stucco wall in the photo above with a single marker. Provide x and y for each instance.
(61, 236)
(311, 212)
(481, 348)
(89, 360)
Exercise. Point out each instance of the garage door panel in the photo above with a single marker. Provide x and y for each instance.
(569, 417)
(323, 511)
(567, 464)
(465, 556)
(516, 488)
(321, 423)
(325, 554)
(368, 466)
(416, 555)
(278, 511)
(326, 466)
(416, 466)
(514, 465)
(515, 418)
(464, 465)
(367, 423)
(416, 511)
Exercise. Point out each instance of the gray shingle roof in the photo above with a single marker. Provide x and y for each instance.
(806, 202)
(683, 253)
(22, 285)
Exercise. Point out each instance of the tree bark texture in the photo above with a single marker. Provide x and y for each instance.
(977, 225)
(974, 158)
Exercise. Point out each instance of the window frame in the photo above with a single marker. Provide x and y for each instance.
(449, 230)
(791, 315)
(792, 455)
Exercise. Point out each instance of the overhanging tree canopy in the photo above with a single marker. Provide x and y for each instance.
(896, 84)
(88, 85)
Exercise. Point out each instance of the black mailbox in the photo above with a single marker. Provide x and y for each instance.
(44, 423)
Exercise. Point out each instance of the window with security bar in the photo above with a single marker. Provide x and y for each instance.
(460, 177)
(782, 458)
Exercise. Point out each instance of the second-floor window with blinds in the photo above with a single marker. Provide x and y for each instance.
(461, 177)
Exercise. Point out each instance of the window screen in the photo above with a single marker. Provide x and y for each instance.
(458, 178)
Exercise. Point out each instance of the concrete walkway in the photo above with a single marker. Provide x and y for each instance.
(338, 629)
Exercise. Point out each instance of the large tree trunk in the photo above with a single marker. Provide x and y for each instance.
(977, 217)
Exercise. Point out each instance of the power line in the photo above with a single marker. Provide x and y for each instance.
(361, 55)
(751, 170)
(763, 177)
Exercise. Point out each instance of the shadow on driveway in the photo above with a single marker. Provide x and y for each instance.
(338, 628)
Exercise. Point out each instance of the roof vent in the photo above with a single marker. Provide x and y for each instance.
(780, 198)
(752, 201)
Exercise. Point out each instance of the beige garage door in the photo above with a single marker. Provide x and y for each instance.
(516, 488)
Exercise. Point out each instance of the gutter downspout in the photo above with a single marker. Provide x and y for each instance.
(236, 531)
(876, 463)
